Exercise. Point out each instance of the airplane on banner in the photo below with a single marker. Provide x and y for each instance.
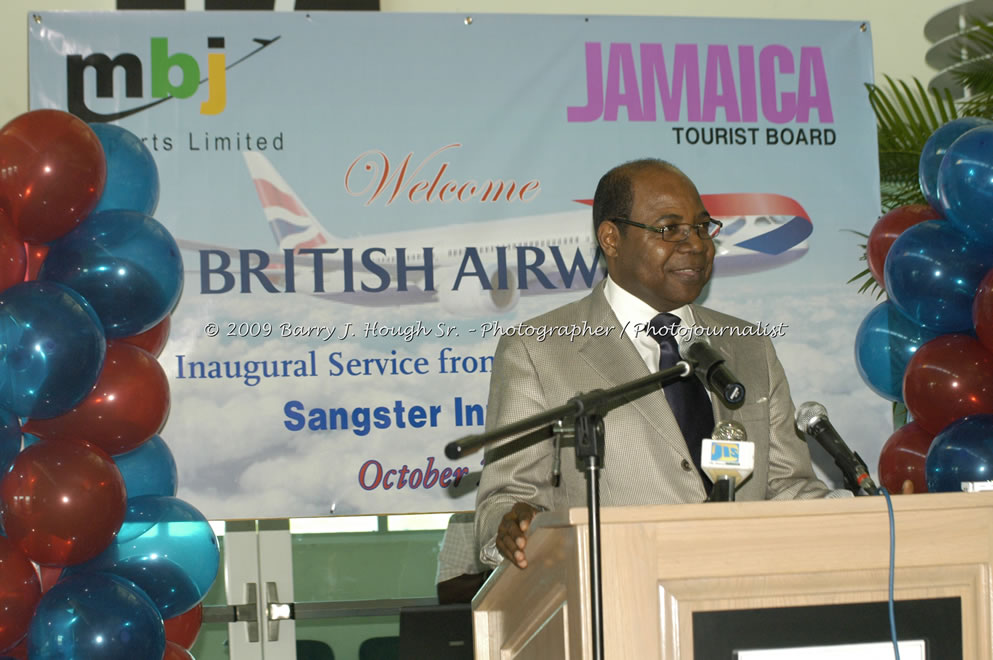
(481, 267)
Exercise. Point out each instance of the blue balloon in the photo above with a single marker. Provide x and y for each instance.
(138, 519)
(148, 469)
(963, 451)
(932, 272)
(132, 177)
(173, 558)
(51, 349)
(934, 151)
(965, 184)
(125, 264)
(95, 616)
(884, 344)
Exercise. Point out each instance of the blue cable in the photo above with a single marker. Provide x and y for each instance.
(889, 507)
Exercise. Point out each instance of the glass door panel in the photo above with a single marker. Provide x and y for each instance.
(318, 583)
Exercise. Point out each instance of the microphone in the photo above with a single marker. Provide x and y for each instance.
(727, 459)
(812, 419)
(712, 371)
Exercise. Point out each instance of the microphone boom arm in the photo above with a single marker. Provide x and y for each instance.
(595, 401)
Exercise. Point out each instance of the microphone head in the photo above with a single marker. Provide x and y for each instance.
(686, 340)
(710, 367)
(729, 431)
(808, 414)
(686, 344)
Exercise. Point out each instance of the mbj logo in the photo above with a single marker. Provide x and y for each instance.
(162, 65)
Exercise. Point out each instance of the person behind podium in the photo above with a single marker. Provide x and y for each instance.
(656, 237)
(460, 574)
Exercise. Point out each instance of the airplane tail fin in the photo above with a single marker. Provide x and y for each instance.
(293, 226)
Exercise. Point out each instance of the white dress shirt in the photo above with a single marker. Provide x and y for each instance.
(635, 314)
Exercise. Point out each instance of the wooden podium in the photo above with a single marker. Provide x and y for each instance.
(662, 564)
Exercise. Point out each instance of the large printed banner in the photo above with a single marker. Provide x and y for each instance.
(366, 202)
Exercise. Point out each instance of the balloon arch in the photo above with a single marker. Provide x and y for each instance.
(98, 558)
(930, 345)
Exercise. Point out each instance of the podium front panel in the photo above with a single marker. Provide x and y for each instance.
(664, 565)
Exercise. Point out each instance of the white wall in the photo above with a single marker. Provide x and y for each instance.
(14, 46)
(897, 26)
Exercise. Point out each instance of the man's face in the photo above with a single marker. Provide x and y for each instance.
(664, 275)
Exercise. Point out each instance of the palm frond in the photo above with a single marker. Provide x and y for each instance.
(867, 282)
(975, 48)
(865, 279)
(979, 82)
(906, 116)
(977, 77)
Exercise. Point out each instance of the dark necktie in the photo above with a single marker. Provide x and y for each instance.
(687, 398)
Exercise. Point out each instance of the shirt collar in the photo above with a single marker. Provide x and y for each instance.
(631, 310)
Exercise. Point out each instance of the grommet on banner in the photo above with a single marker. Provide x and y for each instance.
(468, 20)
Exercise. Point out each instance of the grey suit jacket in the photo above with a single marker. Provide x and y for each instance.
(647, 461)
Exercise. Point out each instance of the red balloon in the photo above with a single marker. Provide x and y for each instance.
(20, 591)
(176, 652)
(13, 260)
(948, 378)
(183, 629)
(52, 173)
(36, 253)
(62, 502)
(127, 406)
(152, 340)
(982, 311)
(887, 228)
(902, 457)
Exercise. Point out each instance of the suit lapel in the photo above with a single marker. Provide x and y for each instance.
(619, 362)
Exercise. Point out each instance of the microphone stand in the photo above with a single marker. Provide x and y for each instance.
(723, 490)
(583, 414)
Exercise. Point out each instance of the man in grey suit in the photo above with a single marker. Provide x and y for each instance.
(657, 240)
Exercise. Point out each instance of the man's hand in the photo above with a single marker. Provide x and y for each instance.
(510, 539)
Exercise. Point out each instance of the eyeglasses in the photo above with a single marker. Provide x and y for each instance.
(678, 233)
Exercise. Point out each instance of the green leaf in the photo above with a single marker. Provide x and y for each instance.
(899, 415)
(975, 47)
(906, 116)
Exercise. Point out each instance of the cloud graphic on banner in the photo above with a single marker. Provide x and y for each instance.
(219, 444)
